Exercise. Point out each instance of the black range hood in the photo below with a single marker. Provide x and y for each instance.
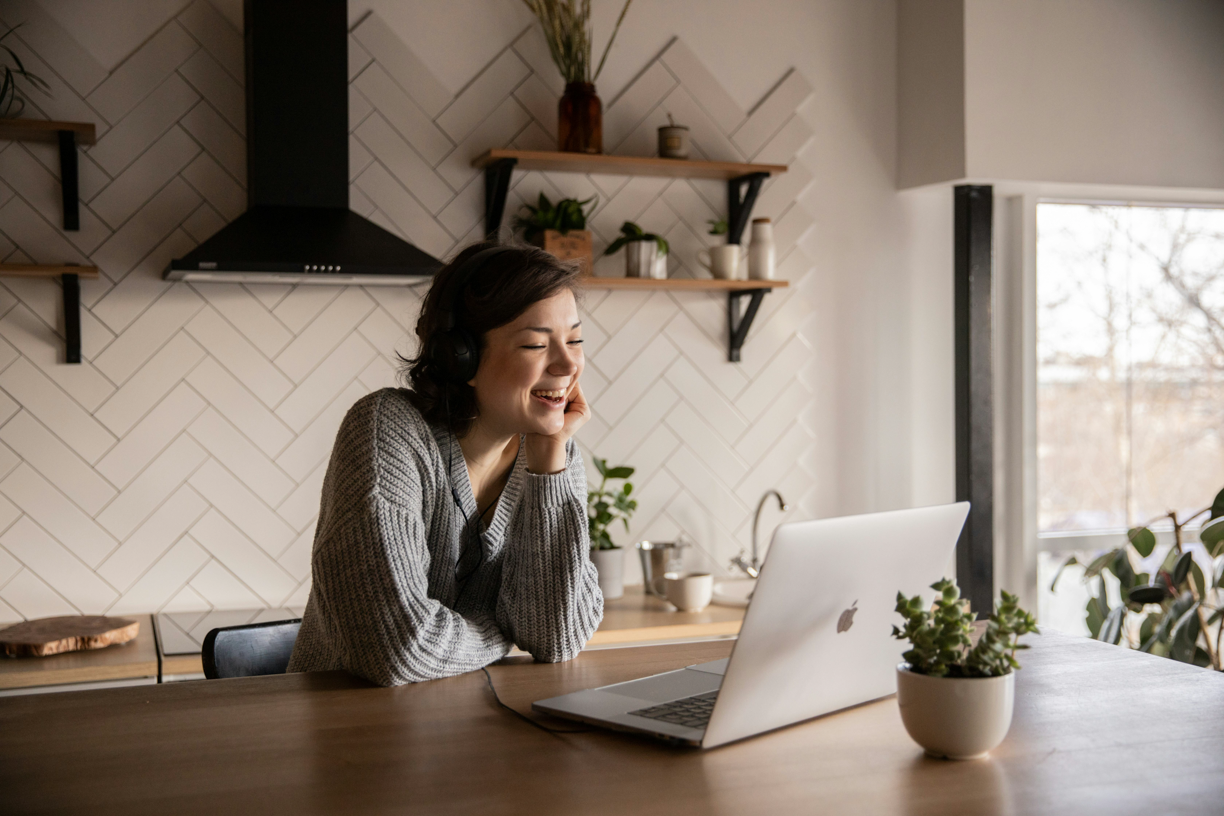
(298, 227)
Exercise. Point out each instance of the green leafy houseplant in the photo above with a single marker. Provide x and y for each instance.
(939, 637)
(718, 227)
(605, 506)
(631, 232)
(1174, 611)
(567, 214)
(568, 31)
(11, 103)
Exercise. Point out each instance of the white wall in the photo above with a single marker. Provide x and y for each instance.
(1062, 91)
(209, 409)
(1095, 91)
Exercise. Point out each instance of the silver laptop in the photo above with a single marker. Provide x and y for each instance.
(816, 637)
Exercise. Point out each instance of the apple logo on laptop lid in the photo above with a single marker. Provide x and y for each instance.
(846, 620)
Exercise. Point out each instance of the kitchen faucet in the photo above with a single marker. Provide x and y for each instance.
(753, 569)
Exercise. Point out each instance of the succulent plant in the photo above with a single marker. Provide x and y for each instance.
(940, 640)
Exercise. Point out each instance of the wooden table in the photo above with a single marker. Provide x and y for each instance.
(134, 662)
(1097, 729)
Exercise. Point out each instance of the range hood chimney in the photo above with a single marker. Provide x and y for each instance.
(298, 227)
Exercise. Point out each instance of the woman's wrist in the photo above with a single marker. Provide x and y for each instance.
(545, 455)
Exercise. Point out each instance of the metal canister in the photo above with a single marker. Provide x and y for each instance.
(658, 559)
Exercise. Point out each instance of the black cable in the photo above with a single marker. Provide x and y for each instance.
(523, 716)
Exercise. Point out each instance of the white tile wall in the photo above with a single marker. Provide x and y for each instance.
(179, 467)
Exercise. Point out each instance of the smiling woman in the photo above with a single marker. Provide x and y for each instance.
(453, 517)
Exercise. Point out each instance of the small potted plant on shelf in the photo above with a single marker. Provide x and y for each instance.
(560, 229)
(645, 252)
(604, 507)
(955, 695)
(11, 102)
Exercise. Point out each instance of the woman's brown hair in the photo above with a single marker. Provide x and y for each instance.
(496, 293)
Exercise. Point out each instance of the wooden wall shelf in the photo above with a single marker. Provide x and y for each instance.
(743, 185)
(683, 284)
(70, 278)
(625, 165)
(69, 135)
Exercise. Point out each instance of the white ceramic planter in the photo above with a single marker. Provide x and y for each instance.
(640, 258)
(955, 717)
(610, 564)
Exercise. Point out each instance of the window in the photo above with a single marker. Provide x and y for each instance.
(1130, 376)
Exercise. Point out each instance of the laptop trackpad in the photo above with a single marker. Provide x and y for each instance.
(668, 686)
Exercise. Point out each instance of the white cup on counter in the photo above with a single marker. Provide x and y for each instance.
(689, 591)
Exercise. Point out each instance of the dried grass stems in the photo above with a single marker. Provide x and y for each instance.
(567, 28)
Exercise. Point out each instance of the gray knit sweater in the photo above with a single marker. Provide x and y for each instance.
(384, 602)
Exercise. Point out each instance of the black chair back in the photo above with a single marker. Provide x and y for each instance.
(253, 649)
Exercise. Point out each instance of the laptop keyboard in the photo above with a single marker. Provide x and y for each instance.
(693, 712)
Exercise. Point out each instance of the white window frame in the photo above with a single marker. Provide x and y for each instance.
(1017, 543)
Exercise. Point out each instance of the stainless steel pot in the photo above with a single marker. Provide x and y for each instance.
(658, 559)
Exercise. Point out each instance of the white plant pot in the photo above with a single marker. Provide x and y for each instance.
(640, 258)
(610, 564)
(955, 717)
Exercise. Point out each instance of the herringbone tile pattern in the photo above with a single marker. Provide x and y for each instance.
(179, 466)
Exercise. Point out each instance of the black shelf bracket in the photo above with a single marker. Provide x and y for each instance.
(68, 182)
(737, 324)
(740, 202)
(497, 186)
(72, 317)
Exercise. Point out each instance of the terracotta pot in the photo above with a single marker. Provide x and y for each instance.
(955, 717)
(610, 564)
(580, 119)
(575, 245)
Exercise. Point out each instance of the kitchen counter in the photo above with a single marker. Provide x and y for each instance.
(633, 620)
(127, 664)
(168, 646)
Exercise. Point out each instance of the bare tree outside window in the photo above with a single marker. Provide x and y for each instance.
(1130, 363)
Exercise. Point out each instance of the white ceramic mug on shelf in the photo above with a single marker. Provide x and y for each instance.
(722, 261)
(689, 591)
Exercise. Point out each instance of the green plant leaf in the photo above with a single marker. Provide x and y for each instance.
(1111, 629)
(1182, 569)
(1099, 563)
(1184, 634)
(1121, 568)
(1217, 506)
(1148, 594)
(1072, 561)
(1212, 535)
(1142, 539)
(621, 472)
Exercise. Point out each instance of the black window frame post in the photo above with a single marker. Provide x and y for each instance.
(972, 284)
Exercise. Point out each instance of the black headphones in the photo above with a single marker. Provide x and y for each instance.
(456, 351)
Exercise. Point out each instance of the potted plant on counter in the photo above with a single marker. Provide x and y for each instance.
(560, 229)
(604, 507)
(645, 252)
(955, 695)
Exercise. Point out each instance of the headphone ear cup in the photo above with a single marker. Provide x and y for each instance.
(466, 355)
(457, 355)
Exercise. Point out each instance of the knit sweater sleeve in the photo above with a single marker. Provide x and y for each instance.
(550, 603)
(370, 573)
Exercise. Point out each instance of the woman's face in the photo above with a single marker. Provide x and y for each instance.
(529, 367)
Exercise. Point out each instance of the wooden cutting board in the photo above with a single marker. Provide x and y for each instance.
(69, 633)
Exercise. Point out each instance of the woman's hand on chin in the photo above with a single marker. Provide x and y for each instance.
(546, 453)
